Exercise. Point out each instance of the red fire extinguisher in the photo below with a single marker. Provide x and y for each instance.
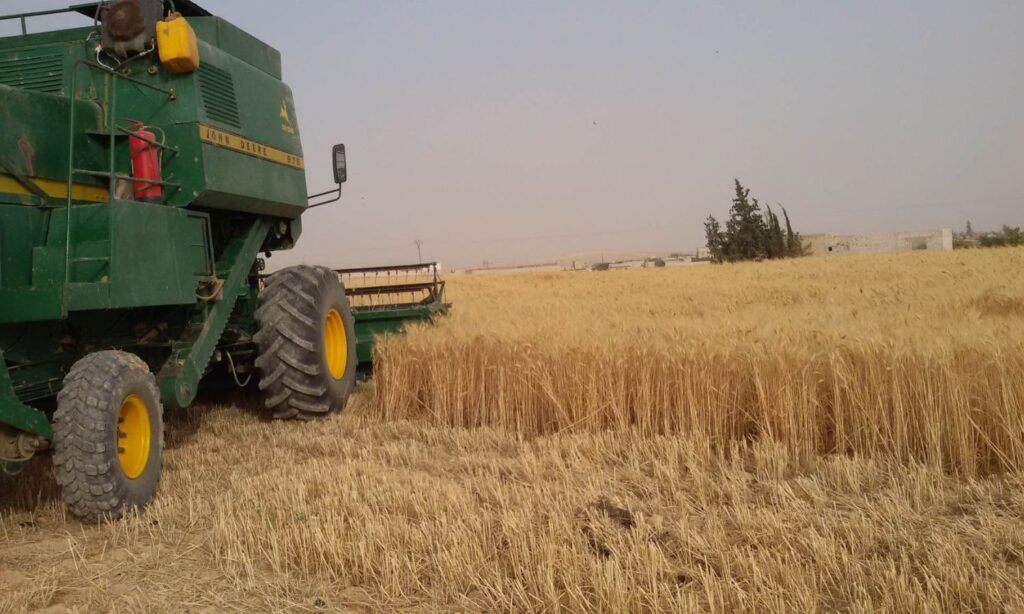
(145, 164)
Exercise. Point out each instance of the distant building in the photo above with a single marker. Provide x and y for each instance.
(829, 244)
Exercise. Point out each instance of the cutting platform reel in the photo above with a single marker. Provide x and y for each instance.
(393, 287)
(385, 299)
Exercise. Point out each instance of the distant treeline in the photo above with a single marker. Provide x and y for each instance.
(750, 233)
(1009, 236)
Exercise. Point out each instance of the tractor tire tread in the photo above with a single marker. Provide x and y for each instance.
(84, 468)
(293, 376)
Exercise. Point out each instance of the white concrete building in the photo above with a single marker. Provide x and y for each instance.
(828, 244)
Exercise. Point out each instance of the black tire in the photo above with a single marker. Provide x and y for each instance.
(96, 482)
(297, 377)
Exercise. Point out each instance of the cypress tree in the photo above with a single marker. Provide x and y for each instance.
(715, 240)
(794, 244)
(776, 240)
(745, 228)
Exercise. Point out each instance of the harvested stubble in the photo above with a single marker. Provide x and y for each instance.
(914, 356)
(354, 515)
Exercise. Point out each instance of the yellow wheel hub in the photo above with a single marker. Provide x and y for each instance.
(335, 344)
(133, 436)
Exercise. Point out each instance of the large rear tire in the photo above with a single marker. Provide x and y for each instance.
(108, 436)
(307, 343)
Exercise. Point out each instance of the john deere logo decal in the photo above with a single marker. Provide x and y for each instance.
(286, 120)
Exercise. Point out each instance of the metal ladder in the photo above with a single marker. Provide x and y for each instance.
(111, 130)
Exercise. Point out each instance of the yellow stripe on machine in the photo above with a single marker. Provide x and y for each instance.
(55, 188)
(242, 145)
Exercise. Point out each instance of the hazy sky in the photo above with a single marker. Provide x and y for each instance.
(509, 130)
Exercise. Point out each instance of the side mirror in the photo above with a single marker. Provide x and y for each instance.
(340, 168)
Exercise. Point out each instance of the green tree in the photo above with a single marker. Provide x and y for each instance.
(795, 247)
(1009, 237)
(745, 228)
(750, 233)
(715, 239)
(776, 243)
(751, 228)
(1013, 236)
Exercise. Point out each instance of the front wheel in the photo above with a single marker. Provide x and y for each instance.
(108, 436)
(307, 343)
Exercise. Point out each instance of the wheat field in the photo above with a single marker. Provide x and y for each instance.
(917, 356)
(814, 435)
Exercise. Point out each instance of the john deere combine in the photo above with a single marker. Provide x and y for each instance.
(147, 160)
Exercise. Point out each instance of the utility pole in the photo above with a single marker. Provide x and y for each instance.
(419, 255)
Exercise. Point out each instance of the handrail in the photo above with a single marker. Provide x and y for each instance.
(171, 94)
(174, 150)
(127, 178)
(385, 268)
(36, 13)
(112, 129)
(23, 16)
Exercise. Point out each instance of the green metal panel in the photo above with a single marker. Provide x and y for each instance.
(237, 90)
(124, 254)
(39, 71)
(238, 43)
(33, 144)
(249, 185)
(371, 323)
(30, 304)
(15, 413)
(38, 39)
(243, 181)
(154, 255)
(258, 99)
(179, 378)
(21, 229)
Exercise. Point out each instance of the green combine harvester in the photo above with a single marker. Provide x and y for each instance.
(147, 161)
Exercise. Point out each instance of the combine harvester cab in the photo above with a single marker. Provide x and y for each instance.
(147, 160)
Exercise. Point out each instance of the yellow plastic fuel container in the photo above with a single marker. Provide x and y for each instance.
(176, 41)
